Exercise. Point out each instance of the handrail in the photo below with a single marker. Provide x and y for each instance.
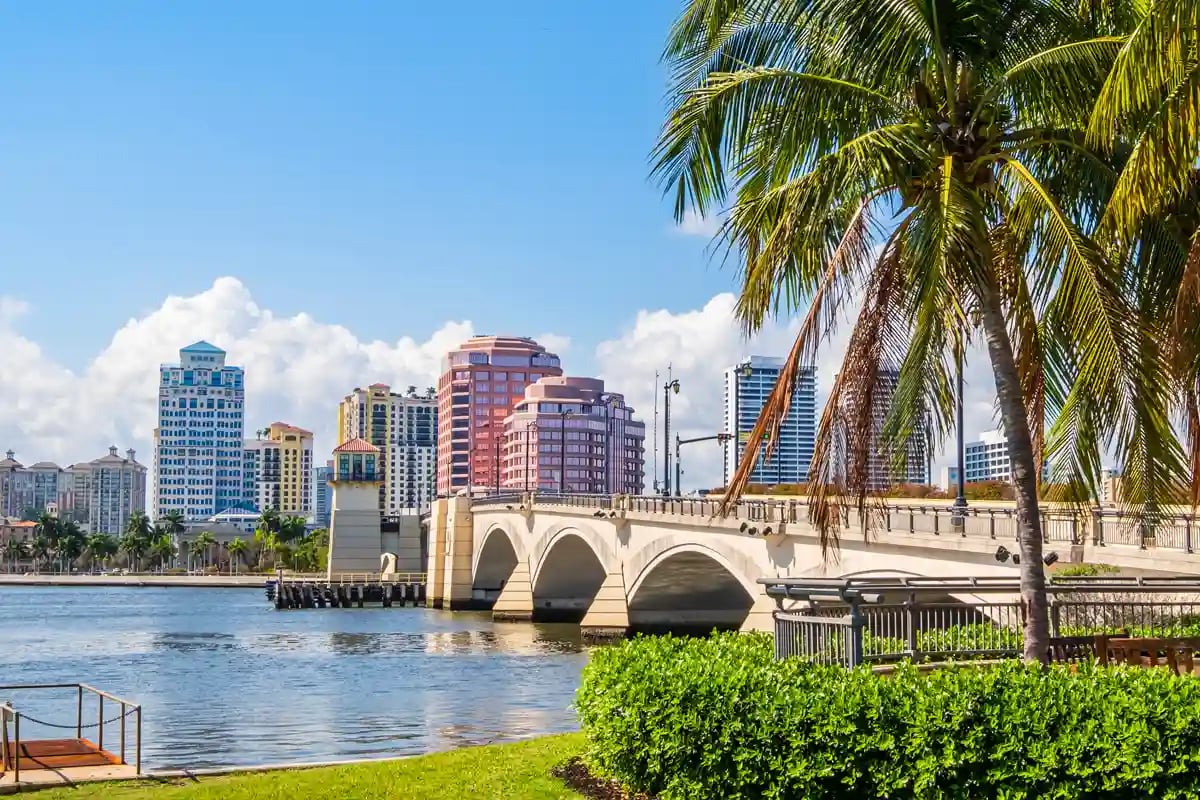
(128, 709)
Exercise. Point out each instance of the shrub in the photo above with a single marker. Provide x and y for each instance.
(720, 717)
(1084, 570)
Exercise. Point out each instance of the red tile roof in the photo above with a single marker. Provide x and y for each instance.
(356, 446)
(291, 428)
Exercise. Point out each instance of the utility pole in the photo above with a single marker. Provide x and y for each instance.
(668, 387)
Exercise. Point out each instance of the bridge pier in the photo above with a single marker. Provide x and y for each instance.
(515, 602)
(608, 615)
(451, 552)
(761, 618)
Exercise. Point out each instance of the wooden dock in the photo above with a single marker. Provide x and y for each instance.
(27, 762)
(358, 590)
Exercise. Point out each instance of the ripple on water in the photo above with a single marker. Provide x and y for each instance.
(226, 680)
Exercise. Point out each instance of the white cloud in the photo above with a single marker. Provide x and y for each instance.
(297, 369)
(695, 225)
(699, 345)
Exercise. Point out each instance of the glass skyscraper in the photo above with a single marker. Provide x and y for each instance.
(747, 387)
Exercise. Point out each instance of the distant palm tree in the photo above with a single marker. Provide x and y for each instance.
(101, 547)
(172, 523)
(292, 528)
(139, 524)
(134, 547)
(411, 391)
(49, 527)
(237, 549)
(163, 550)
(15, 550)
(40, 549)
(202, 547)
(430, 391)
(70, 544)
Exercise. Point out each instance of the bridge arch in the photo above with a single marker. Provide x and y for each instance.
(680, 585)
(498, 553)
(570, 565)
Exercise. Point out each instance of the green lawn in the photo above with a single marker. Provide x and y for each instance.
(501, 772)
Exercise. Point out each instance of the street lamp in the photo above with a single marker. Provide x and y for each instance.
(606, 402)
(668, 388)
(960, 500)
(562, 451)
(529, 426)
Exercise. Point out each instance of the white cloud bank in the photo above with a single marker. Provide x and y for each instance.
(298, 368)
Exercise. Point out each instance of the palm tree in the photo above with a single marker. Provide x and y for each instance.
(163, 550)
(237, 549)
(954, 135)
(172, 523)
(40, 549)
(411, 391)
(100, 547)
(139, 525)
(134, 546)
(292, 528)
(69, 545)
(48, 527)
(15, 551)
(202, 547)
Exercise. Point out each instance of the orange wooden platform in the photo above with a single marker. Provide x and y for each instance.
(61, 754)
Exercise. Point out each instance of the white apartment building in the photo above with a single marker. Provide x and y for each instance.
(198, 442)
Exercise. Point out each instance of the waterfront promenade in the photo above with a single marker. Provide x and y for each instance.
(182, 581)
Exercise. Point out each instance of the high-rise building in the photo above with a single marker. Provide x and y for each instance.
(277, 470)
(30, 491)
(323, 495)
(198, 449)
(880, 469)
(108, 490)
(404, 428)
(16, 487)
(747, 387)
(604, 450)
(481, 382)
(988, 459)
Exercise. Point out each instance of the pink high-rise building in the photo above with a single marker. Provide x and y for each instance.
(604, 451)
(481, 382)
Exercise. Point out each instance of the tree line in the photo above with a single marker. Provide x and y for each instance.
(61, 545)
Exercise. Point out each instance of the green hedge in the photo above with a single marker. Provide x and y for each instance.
(697, 719)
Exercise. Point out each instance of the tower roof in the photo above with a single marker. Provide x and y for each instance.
(202, 347)
(356, 446)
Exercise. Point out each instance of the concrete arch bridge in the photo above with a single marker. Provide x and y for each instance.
(620, 564)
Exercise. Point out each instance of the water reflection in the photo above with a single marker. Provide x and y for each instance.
(226, 680)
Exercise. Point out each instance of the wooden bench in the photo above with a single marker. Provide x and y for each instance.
(1177, 654)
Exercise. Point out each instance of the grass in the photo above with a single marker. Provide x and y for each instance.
(518, 771)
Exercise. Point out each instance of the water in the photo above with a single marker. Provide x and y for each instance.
(224, 679)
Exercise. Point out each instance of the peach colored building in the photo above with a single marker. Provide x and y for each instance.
(482, 380)
(604, 449)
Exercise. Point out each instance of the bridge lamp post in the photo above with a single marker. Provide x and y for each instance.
(606, 400)
(960, 500)
(668, 388)
(529, 427)
(562, 452)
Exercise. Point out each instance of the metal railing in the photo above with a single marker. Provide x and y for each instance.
(877, 620)
(1100, 527)
(354, 578)
(11, 749)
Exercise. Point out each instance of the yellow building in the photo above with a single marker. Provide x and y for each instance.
(280, 465)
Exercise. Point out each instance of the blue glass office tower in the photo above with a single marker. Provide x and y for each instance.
(747, 387)
(198, 442)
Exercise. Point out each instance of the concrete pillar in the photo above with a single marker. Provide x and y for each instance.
(355, 543)
(435, 571)
(515, 602)
(460, 534)
(761, 617)
(608, 615)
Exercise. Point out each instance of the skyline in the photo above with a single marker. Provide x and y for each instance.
(299, 368)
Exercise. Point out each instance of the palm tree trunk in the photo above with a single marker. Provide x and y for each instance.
(1014, 417)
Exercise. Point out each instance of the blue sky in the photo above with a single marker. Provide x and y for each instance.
(345, 159)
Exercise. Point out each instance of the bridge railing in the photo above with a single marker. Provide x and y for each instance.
(1166, 530)
(880, 620)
